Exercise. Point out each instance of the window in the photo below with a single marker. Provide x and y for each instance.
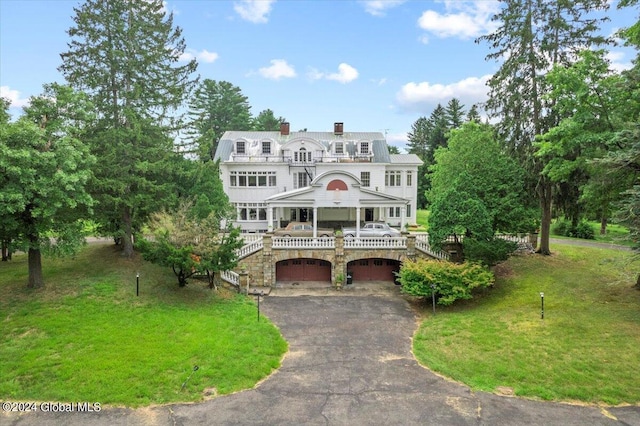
(377, 262)
(409, 179)
(394, 211)
(266, 147)
(251, 211)
(339, 148)
(301, 179)
(393, 178)
(302, 156)
(364, 148)
(365, 178)
(240, 147)
(252, 179)
(292, 215)
(408, 210)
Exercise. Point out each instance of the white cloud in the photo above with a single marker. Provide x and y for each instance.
(380, 81)
(255, 11)
(346, 74)
(279, 69)
(203, 56)
(379, 7)
(463, 19)
(422, 97)
(616, 61)
(13, 96)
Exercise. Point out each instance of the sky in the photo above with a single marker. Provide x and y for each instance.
(373, 65)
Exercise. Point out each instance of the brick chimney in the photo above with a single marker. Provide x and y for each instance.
(284, 128)
(338, 128)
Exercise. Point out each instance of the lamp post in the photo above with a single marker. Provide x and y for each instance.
(137, 283)
(541, 305)
(433, 297)
(260, 295)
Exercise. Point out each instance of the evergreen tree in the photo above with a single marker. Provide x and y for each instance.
(217, 106)
(125, 55)
(454, 113)
(267, 121)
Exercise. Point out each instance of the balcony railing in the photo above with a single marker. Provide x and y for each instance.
(328, 158)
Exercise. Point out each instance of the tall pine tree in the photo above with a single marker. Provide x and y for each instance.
(125, 55)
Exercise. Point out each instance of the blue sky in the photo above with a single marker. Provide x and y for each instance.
(374, 65)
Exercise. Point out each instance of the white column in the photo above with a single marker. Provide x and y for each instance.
(315, 222)
(357, 222)
(403, 217)
(269, 218)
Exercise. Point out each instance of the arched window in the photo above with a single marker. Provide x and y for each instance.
(302, 156)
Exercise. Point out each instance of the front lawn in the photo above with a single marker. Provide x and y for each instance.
(585, 349)
(87, 337)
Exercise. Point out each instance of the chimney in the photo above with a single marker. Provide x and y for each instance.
(338, 128)
(284, 128)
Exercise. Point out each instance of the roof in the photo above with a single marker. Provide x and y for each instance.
(405, 159)
(378, 143)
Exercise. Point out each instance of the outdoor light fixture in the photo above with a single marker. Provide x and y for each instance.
(541, 305)
(433, 297)
(137, 283)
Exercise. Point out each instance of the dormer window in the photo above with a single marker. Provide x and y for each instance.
(240, 147)
(302, 156)
(266, 148)
(339, 148)
(364, 148)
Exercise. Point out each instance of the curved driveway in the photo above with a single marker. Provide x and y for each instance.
(350, 363)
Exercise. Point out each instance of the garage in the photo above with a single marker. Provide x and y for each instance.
(303, 270)
(375, 269)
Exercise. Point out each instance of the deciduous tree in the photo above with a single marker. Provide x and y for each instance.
(45, 171)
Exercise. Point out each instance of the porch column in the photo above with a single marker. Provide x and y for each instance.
(269, 218)
(315, 222)
(403, 217)
(357, 222)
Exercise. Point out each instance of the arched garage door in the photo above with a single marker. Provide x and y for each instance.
(303, 270)
(374, 269)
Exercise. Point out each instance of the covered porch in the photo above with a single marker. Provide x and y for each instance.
(334, 199)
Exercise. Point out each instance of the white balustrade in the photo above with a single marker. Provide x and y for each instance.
(230, 277)
(303, 242)
(375, 242)
(250, 248)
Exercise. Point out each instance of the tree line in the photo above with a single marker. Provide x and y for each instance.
(111, 144)
(564, 137)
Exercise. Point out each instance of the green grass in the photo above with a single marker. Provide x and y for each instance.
(585, 349)
(422, 219)
(616, 234)
(87, 337)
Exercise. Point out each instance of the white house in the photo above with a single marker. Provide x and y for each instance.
(328, 178)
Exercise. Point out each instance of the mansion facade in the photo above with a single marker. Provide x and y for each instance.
(331, 179)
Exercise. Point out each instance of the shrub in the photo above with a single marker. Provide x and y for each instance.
(561, 228)
(583, 230)
(488, 252)
(452, 281)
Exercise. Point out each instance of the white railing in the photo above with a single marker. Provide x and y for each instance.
(424, 246)
(248, 249)
(303, 242)
(250, 238)
(521, 240)
(376, 242)
(231, 277)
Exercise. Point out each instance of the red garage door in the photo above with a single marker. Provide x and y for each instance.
(373, 269)
(303, 270)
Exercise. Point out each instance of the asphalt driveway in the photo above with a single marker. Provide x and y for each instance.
(350, 363)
